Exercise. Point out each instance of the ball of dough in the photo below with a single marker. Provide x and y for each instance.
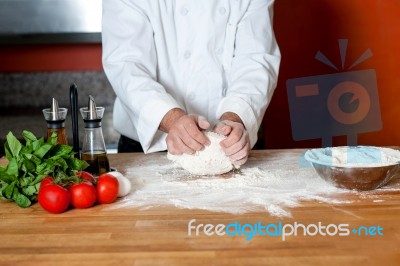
(209, 161)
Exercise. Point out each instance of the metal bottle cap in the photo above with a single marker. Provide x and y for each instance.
(55, 116)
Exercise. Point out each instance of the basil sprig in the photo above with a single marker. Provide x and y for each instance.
(28, 164)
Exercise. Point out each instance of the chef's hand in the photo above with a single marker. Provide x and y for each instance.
(237, 144)
(184, 132)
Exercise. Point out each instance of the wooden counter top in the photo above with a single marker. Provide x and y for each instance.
(159, 236)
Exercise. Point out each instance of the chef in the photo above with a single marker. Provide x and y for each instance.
(181, 67)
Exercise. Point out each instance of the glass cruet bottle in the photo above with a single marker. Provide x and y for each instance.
(93, 148)
(55, 118)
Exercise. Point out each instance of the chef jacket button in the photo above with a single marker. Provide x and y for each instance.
(219, 51)
(222, 10)
(187, 54)
(191, 97)
(184, 11)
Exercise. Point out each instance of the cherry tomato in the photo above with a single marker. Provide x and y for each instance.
(46, 181)
(54, 198)
(86, 176)
(83, 195)
(107, 188)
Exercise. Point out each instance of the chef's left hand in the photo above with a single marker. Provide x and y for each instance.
(237, 144)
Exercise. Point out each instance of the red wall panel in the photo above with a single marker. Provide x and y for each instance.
(304, 27)
(55, 57)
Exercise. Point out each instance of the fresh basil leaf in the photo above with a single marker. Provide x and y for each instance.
(62, 150)
(29, 190)
(61, 175)
(22, 168)
(53, 141)
(13, 144)
(12, 168)
(77, 164)
(28, 135)
(2, 187)
(21, 200)
(26, 150)
(30, 166)
(45, 169)
(33, 158)
(8, 191)
(23, 182)
(6, 178)
(37, 179)
(41, 152)
(36, 144)
(7, 152)
(63, 164)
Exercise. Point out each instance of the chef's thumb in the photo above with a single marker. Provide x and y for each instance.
(202, 122)
(222, 128)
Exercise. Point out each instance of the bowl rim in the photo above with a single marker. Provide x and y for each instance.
(350, 166)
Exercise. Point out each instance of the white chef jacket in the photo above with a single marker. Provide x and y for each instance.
(205, 57)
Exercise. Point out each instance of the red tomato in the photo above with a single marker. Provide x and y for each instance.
(46, 181)
(83, 195)
(86, 175)
(54, 198)
(107, 188)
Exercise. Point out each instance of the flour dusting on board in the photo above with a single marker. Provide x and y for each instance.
(274, 185)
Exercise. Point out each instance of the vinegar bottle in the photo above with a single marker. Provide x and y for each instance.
(55, 118)
(93, 148)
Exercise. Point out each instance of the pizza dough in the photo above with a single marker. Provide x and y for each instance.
(209, 161)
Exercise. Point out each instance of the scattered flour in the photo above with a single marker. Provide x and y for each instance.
(274, 185)
(210, 161)
(354, 156)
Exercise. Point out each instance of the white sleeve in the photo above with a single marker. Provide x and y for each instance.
(130, 63)
(254, 69)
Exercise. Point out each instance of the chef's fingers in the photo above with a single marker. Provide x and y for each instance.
(234, 136)
(185, 136)
(190, 137)
(222, 128)
(238, 146)
(202, 122)
(187, 131)
(241, 161)
(243, 153)
(176, 146)
(195, 133)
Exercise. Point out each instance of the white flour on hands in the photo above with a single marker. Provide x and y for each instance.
(209, 161)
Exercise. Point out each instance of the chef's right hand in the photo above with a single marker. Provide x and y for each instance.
(184, 132)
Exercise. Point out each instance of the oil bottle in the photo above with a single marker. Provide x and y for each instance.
(93, 147)
(55, 118)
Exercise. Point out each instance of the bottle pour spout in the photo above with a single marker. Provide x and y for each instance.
(54, 111)
(92, 109)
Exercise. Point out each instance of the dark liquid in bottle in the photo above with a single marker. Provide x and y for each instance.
(98, 163)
